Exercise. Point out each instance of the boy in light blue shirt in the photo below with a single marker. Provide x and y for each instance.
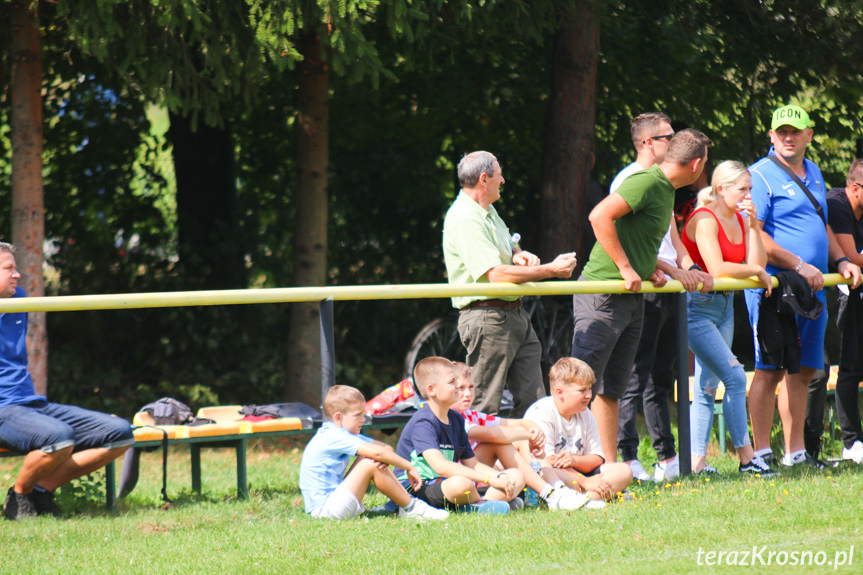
(328, 491)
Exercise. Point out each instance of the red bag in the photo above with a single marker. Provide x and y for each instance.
(389, 397)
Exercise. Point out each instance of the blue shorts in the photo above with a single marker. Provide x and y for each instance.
(811, 332)
(51, 427)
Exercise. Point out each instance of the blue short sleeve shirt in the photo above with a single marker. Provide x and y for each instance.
(16, 385)
(788, 215)
(325, 461)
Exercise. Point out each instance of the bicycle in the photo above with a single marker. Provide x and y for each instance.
(551, 317)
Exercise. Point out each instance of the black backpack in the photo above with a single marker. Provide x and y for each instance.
(169, 411)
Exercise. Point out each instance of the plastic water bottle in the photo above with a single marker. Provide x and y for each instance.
(516, 237)
(531, 497)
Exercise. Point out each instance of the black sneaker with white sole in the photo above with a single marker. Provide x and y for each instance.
(808, 460)
(757, 467)
(770, 460)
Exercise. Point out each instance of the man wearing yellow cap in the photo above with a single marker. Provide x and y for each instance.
(796, 237)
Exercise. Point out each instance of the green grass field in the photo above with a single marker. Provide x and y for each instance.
(661, 531)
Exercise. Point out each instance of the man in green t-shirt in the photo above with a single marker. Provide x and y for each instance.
(502, 348)
(629, 225)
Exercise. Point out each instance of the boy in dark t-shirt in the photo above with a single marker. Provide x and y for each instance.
(435, 441)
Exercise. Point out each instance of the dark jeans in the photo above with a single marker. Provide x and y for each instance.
(816, 401)
(651, 381)
(850, 321)
(54, 426)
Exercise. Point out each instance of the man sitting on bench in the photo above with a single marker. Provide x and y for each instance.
(62, 442)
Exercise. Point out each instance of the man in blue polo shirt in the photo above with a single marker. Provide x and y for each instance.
(796, 238)
(62, 442)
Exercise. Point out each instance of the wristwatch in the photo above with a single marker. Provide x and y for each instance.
(695, 267)
(840, 260)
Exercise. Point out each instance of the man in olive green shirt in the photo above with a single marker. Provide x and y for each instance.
(629, 225)
(502, 348)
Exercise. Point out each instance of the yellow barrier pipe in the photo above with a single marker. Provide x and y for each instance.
(349, 293)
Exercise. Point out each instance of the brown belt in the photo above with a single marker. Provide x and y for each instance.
(498, 303)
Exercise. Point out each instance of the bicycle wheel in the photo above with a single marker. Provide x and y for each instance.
(438, 338)
(554, 326)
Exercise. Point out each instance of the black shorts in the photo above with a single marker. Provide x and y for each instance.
(592, 472)
(432, 493)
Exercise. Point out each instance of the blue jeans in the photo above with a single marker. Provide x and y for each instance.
(711, 330)
(51, 427)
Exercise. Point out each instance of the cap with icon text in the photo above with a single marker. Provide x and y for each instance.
(792, 116)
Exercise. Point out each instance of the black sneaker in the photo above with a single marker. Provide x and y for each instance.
(757, 467)
(18, 506)
(44, 502)
(808, 460)
(708, 471)
(770, 460)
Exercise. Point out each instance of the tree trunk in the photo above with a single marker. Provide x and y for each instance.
(28, 207)
(568, 133)
(210, 255)
(310, 225)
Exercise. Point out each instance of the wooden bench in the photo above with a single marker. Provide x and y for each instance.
(228, 432)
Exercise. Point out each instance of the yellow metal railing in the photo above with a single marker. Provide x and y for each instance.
(349, 293)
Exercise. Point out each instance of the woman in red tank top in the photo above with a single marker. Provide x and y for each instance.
(722, 236)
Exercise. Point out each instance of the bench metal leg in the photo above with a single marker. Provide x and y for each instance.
(196, 467)
(242, 479)
(721, 427)
(110, 487)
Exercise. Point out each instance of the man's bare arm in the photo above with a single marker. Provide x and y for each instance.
(602, 219)
(561, 267)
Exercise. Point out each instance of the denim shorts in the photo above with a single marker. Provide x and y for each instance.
(51, 427)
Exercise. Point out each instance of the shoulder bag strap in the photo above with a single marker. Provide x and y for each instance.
(801, 185)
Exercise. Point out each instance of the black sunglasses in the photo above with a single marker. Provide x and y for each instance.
(665, 136)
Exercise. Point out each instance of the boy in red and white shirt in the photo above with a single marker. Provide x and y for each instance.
(492, 438)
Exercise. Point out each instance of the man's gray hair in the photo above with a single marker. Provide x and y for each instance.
(6, 248)
(472, 166)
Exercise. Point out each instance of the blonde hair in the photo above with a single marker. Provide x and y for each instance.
(427, 370)
(570, 371)
(725, 174)
(341, 398)
(462, 369)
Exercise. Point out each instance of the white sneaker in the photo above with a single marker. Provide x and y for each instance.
(668, 471)
(421, 511)
(566, 499)
(596, 504)
(638, 471)
(855, 453)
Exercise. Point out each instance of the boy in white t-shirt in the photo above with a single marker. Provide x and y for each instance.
(492, 438)
(572, 442)
(330, 493)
